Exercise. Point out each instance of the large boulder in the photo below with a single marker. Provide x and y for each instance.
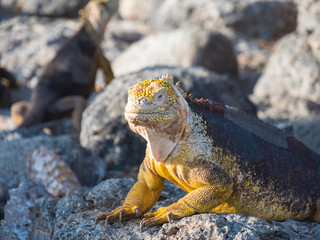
(73, 217)
(185, 47)
(105, 131)
(290, 84)
(267, 20)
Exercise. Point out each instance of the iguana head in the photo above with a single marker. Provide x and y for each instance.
(96, 15)
(157, 110)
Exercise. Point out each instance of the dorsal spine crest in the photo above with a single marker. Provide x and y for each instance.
(206, 104)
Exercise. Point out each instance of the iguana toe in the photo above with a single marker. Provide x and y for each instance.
(122, 213)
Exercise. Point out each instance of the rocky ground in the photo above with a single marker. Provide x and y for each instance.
(262, 57)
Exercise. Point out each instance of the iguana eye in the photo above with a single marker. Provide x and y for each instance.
(159, 97)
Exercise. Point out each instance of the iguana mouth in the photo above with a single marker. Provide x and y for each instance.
(143, 113)
(154, 117)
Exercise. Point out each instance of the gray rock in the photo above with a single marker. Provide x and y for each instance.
(290, 84)
(182, 47)
(121, 34)
(89, 168)
(68, 8)
(251, 56)
(29, 43)
(20, 209)
(70, 204)
(267, 20)
(308, 17)
(73, 216)
(105, 131)
(53, 128)
(7, 235)
(106, 196)
(139, 10)
(43, 222)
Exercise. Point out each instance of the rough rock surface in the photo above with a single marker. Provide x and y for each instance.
(105, 131)
(290, 84)
(54, 128)
(120, 34)
(64, 8)
(272, 19)
(182, 47)
(308, 17)
(27, 45)
(20, 210)
(89, 168)
(73, 216)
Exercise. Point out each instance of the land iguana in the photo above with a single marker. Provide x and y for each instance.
(69, 78)
(225, 160)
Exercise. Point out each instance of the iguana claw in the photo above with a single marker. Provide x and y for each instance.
(96, 221)
(121, 215)
(169, 217)
(107, 222)
(141, 226)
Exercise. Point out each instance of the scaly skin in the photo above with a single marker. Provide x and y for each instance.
(225, 160)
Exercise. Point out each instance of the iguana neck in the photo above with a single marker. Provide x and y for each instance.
(93, 22)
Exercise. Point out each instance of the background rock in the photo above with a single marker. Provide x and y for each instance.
(280, 17)
(27, 45)
(290, 84)
(89, 168)
(184, 47)
(120, 34)
(308, 17)
(272, 19)
(54, 128)
(105, 131)
(68, 8)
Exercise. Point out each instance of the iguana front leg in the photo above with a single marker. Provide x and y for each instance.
(142, 196)
(105, 65)
(200, 200)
